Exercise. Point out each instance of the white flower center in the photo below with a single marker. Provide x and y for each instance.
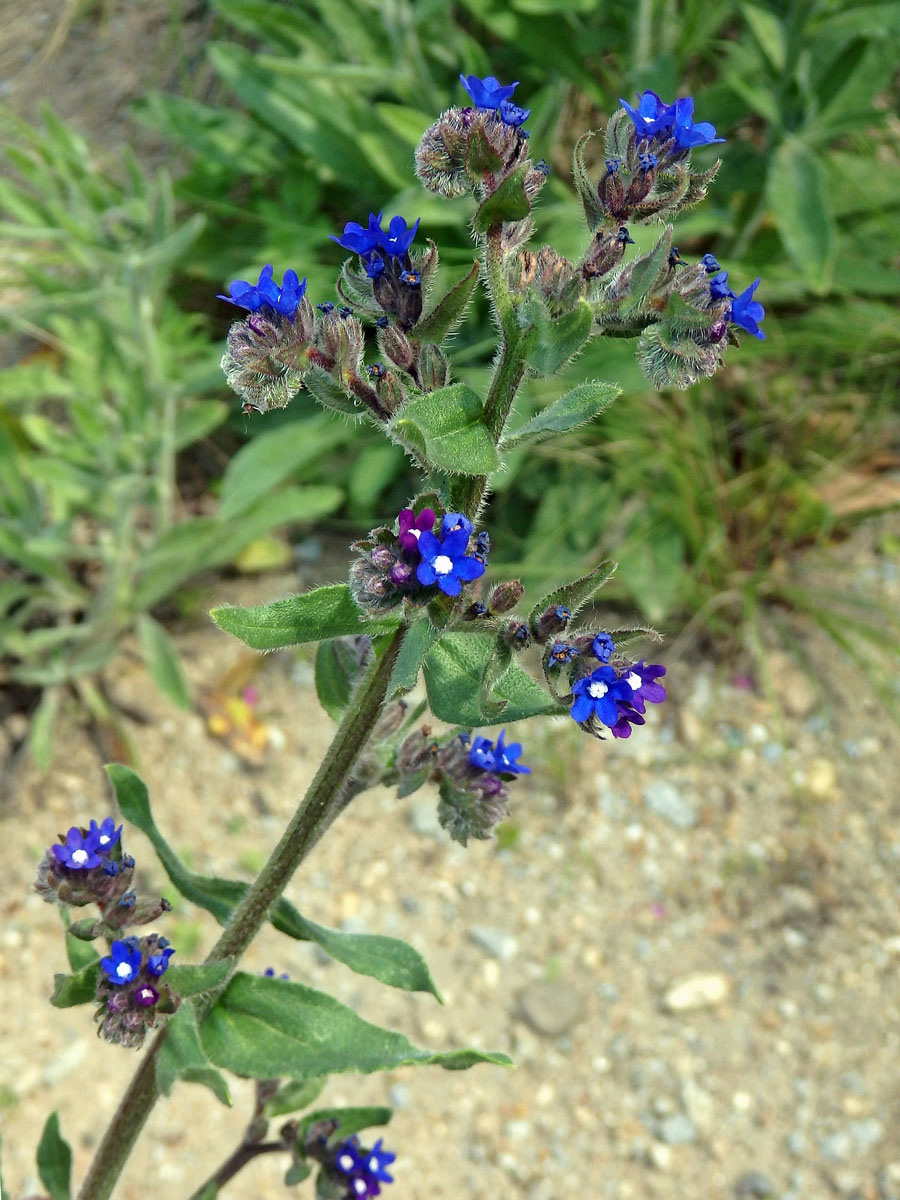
(345, 1162)
(442, 565)
(417, 533)
(123, 970)
(79, 856)
(597, 689)
(633, 680)
(104, 840)
(373, 1164)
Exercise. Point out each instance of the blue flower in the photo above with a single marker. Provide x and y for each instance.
(512, 114)
(596, 695)
(651, 116)
(358, 239)
(399, 236)
(445, 562)
(123, 963)
(710, 264)
(157, 963)
(500, 758)
(648, 161)
(376, 1162)
(718, 287)
(105, 834)
(560, 653)
(686, 133)
(266, 293)
(373, 264)
(747, 312)
(602, 647)
(487, 92)
(79, 852)
(641, 678)
(453, 521)
(412, 279)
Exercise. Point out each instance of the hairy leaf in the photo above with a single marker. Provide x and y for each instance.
(264, 1028)
(337, 670)
(507, 203)
(646, 272)
(455, 670)
(421, 637)
(446, 314)
(552, 342)
(326, 612)
(79, 988)
(576, 408)
(575, 595)
(294, 1095)
(54, 1161)
(182, 1057)
(351, 1120)
(190, 979)
(445, 428)
(587, 187)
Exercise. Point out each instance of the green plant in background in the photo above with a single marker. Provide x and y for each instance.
(94, 533)
(413, 605)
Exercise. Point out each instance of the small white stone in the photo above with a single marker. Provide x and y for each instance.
(697, 991)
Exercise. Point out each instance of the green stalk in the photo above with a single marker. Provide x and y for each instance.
(318, 809)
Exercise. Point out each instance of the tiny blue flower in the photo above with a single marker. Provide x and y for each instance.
(481, 754)
(596, 695)
(648, 161)
(79, 853)
(487, 92)
(602, 647)
(123, 963)
(651, 116)
(641, 678)
(110, 868)
(446, 563)
(718, 287)
(505, 757)
(266, 293)
(482, 544)
(326, 308)
(157, 963)
(624, 237)
(561, 653)
(710, 264)
(347, 1157)
(373, 264)
(105, 834)
(399, 236)
(686, 133)
(376, 1162)
(358, 239)
(612, 166)
(345, 311)
(411, 278)
(512, 114)
(747, 312)
(452, 521)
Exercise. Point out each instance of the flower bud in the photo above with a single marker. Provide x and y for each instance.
(517, 635)
(395, 345)
(552, 621)
(433, 367)
(505, 596)
(441, 155)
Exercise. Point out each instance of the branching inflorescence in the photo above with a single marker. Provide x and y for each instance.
(417, 602)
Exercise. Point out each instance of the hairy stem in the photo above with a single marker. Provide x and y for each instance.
(319, 807)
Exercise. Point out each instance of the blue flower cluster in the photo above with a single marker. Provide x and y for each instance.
(126, 957)
(83, 850)
(266, 294)
(375, 245)
(501, 759)
(616, 697)
(365, 1170)
(743, 310)
(654, 119)
(490, 93)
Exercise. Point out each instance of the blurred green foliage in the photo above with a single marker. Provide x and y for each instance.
(719, 501)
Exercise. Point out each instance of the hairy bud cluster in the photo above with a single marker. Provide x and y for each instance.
(127, 1011)
(471, 150)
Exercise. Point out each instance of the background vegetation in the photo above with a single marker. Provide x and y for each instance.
(125, 471)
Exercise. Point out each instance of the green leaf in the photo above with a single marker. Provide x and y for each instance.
(191, 979)
(481, 157)
(646, 272)
(324, 613)
(653, 570)
(265, 1028)
(351, 1120)
(386, 959)
(294, 1095)
(182, 1057)
(43, 725)
(576, 408)
(552, 342)
(769, 32)
(195, 422)
(421, 637)
(54, 1161)
(445, 428)
(507, 203)
(161, 660)
(455, 670)
(80, 988)
(328, 392)
(337, 670)
(444, 316)
(80, 954)
(273, 456)
(575, 595)
(594, 212)
(798, 196)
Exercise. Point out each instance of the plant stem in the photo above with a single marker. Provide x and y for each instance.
(236, 1162)
(319, 807)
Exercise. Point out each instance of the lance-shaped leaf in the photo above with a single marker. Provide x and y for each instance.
(356, 289)
(337, 670)
(328, 392)
(350, 1120)
(575, 595)
(507, 203)
(162, 661)
(78, 988)
(273, 456)
(553, 341)
(182, 1057)
(481, 157)
(454, 676)
(421, 637)
(265, 1028)
(447, 313)
(386, 959)
(646, 272)
(587, 188)
(294, 1095)
(576, 408)
(445, 429)
(618, 134)
(54, 1161)
(798, 197)
(325, 612)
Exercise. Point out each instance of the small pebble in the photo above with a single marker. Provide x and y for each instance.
(697, 991)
